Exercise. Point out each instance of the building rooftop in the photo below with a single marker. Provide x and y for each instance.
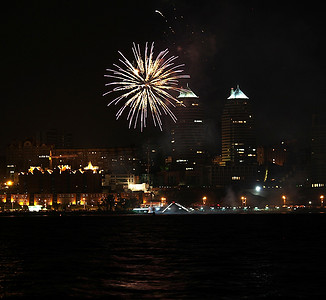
(187, 93)
(237, 94)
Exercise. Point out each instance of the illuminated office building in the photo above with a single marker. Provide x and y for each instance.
(188, 133)
(238, 137)
(318, 151)
(238, 165)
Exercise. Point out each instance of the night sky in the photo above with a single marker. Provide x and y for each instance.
(54, 56)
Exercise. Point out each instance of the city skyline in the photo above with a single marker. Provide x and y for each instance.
(56, 56)
(229, 202)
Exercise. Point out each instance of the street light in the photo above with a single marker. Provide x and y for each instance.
(204, 200)
(284, 200)
(163, 201)
(244, 201)
(9, 183)
(322, 200)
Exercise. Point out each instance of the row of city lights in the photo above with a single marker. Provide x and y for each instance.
(244, 200)
(204, 198)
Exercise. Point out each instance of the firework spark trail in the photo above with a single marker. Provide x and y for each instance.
(157, 11)
(146, 86)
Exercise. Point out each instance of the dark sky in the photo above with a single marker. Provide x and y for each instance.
(54, 56)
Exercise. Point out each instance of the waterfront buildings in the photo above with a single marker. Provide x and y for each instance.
(64, 188)
(120, 160)
(60, 180)
(22, 155)
(186, 164)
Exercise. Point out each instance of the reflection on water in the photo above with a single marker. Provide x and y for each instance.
(185, 256)
(10, 271)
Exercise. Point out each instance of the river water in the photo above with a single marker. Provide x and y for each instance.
(236, 256)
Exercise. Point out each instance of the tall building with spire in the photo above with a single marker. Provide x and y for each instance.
(238, 136)
(238, 166)
(318, 151)
(187, 145)
(188, 133)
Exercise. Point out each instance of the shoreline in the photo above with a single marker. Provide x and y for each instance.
(230, 211)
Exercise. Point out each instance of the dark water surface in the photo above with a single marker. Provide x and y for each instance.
(164, 257)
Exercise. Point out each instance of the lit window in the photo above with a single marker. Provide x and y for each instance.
(181, 160)
(239, 122)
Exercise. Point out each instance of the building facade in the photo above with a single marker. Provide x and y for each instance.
(276, 154)
(238, 163)
(63, 180)
(120, 160)
(188, 133)
(20, 156)
(238, 136)
(23, 155)
(318, 151)
(187, 152)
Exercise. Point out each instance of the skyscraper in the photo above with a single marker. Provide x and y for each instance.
(238, 166)
(238, 138)
(186, 151)
(188, 133)
(318, 151)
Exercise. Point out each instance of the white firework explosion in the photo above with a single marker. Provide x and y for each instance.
(146, 85)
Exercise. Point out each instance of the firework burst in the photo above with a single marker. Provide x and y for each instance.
(146, 85)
